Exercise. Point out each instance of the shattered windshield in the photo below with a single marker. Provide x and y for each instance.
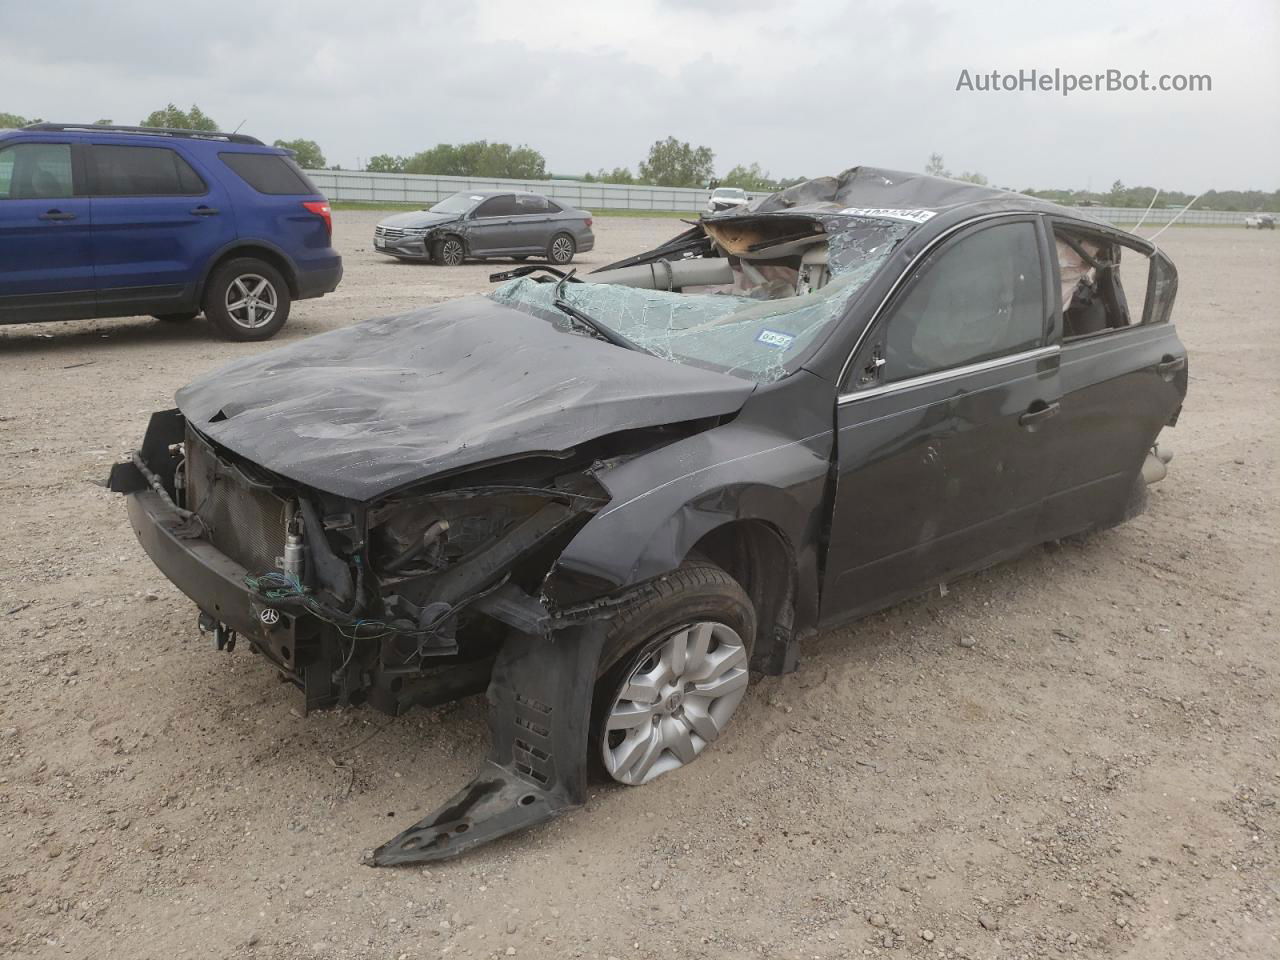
(764, 316)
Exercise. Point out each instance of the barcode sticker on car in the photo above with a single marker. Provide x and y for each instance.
(774, 338)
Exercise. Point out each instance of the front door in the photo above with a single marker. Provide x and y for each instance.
(491, 229)
(46, 256)
(157, 223)
(947, 423)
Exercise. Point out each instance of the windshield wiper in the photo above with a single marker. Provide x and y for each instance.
(586, 320)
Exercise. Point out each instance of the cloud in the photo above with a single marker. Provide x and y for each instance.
(800, 87)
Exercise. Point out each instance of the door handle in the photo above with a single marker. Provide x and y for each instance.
(57, 215)
(203, 211)
(1169, 365)
(1037, 413)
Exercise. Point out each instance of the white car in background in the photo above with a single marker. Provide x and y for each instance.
(726, 198)
(1260, 221)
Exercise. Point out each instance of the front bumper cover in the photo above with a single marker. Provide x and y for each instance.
(539, 686)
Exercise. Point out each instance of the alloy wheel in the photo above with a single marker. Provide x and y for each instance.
(561, 249)
(677, 699)
(251, 301)
(451, 253)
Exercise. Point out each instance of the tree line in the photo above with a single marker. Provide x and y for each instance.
(670, 163)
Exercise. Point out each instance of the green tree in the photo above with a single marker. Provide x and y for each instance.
(672, 163)
(11, 121)
(936, 167)
(479, 158)
(386, 163)
(171, 116)
(749, 178)
(616, 175)
(977, 178)
(307, 153)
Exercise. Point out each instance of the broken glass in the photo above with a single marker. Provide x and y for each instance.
(746, 336)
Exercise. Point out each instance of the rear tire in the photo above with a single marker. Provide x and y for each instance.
(697, 607)
(247, 299)
(561, 248)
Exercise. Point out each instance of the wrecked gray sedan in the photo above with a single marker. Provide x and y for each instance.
(606, 499)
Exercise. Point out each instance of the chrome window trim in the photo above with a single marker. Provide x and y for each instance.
(939, 376)
(906, 273)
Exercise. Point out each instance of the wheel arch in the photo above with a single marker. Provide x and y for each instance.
(260, 249)
(762, 559)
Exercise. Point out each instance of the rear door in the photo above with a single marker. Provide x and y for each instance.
(1124, 372)
(947, 423)
(492, 229)
(157, 222)
(46, 253)
(532, 225)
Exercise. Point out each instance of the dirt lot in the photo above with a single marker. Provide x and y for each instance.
(1075, 754)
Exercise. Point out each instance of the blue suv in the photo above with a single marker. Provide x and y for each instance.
(108, 221)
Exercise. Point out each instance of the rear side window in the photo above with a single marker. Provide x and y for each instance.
(143, 172)
(978, 299)
(270, 173)
(30, 171)
(526, 205)
(1107, 285)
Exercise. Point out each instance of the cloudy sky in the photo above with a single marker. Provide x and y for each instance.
(803, 87)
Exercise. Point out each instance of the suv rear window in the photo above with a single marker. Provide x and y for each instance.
(143, 172)
(270, 173)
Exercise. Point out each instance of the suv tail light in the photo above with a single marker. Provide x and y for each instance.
(321, 209)
(588, 221)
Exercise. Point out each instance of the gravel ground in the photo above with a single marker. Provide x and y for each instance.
(1074, 754)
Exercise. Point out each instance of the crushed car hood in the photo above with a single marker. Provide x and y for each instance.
(366, 410)
(418, 218)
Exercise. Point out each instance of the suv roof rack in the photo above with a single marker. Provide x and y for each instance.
(147, 131)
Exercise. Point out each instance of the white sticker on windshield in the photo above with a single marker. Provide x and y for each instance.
(775, 338)
(913, 216)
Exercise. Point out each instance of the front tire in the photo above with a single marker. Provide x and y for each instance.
(448, 252)
(247, 299)
(561, 249)
(673, 671)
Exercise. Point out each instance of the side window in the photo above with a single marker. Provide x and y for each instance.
(528, 205)
(1103, 283)
(270, 173)
(979, 298)
(143, 172)
(31, 171)
(497, 207)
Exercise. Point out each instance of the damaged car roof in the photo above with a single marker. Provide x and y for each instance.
(363, 411)
(891, 195)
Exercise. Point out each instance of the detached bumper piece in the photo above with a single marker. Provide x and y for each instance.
(539, 714)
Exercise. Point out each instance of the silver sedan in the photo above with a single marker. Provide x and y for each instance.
(486, 223)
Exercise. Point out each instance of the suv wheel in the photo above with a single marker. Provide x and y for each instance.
(673, 672)
(448, 252)
(247, 299)
(561, 248)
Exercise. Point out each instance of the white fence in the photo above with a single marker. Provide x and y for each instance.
(426, 190)
(423, 191)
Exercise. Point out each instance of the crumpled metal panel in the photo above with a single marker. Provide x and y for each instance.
(376, 406)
